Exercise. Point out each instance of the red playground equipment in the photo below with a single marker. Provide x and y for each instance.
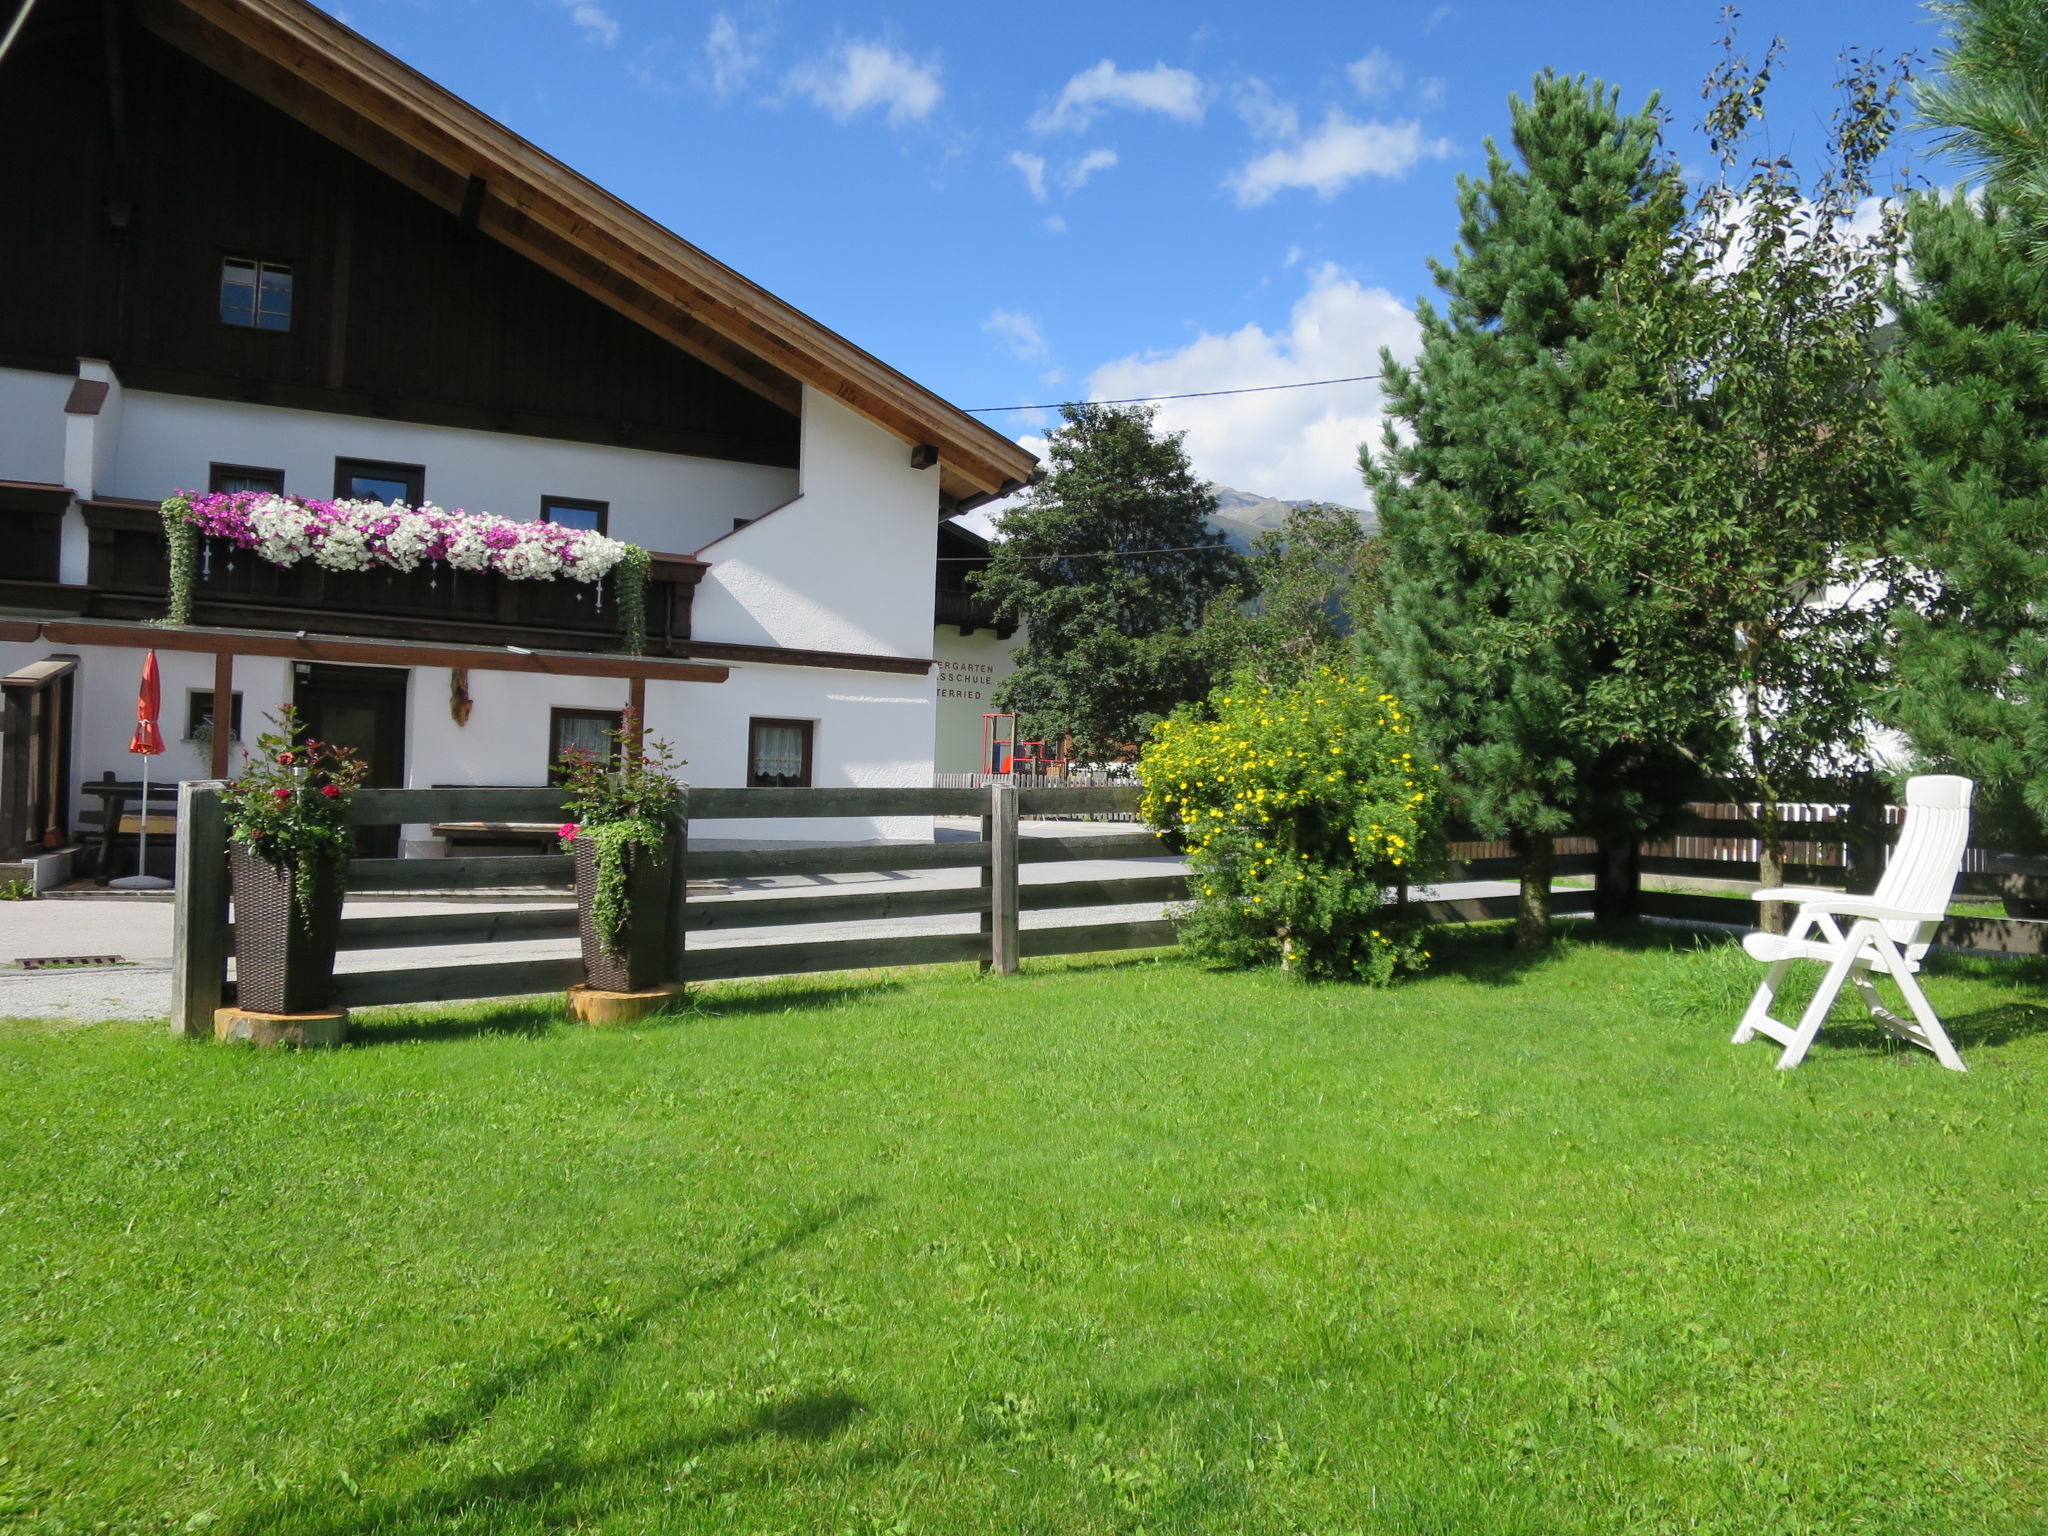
(1002, 752)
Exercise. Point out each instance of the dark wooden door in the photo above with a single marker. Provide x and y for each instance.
(364, 708)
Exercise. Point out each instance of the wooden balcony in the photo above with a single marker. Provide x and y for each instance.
(127, 578)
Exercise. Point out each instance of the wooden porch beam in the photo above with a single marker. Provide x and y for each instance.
(385, 653)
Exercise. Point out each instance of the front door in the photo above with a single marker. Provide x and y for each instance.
(364, 708)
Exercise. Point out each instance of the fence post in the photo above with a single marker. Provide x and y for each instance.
(679, 887)
(199, 930)
(999, 831)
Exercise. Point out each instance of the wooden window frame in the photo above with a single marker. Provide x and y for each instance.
(603, 509)
(415, 476)
(613, 718)
(259, 263)
(215, 473)
(810, 734)
(194, 714)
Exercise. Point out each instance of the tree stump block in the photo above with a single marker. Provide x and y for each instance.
(590, 1006)
(245, 1026)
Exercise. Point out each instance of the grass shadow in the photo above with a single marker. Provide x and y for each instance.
(573, 1379)
(412, 1023)
(769, 994)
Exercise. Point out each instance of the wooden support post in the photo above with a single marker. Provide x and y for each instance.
(223, 710)
(679, 888)
(636, 703)
(1001, 835)
(199, 933)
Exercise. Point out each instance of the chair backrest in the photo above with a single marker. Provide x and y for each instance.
(1929, 855)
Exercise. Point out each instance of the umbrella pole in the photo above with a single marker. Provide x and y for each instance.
(142, 827)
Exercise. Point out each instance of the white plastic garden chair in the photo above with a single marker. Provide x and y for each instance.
(1888, 931)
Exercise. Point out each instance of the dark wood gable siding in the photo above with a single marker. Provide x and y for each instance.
(125, 197)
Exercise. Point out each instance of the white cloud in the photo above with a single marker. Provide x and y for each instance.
(1264, 113)
(1376, 75)
(1333, 157)
(1431, 91)
(1298, 444)
(1017, 330)
(1033, 169)
(730, 56)
(596, 22)
(1174, 92)
(1077, 174)
(858, 76)
(1056, 225)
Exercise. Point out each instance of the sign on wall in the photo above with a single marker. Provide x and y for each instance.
(969, 668)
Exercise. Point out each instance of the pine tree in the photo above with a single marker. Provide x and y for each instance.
(1969, 396)
(1488, 648)
(1109, 567)
(1970, 399)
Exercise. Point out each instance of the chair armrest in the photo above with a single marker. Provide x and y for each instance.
(1841, 905)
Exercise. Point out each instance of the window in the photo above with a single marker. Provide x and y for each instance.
(199, 715)
(231, 478)
(779, 754)
(574, 512)
(372, 480)
(256, 294)
(584, 728)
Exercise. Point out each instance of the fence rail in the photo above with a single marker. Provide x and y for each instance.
(205, 936)
(1711, 842)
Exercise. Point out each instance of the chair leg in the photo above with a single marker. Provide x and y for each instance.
(1930, 1022)
(1760, 1004)
(1817, 1011)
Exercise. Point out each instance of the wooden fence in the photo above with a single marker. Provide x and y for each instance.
(204, 935)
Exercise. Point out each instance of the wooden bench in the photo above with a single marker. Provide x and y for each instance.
(113, 828)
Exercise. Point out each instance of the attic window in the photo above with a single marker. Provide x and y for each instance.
(257, 294)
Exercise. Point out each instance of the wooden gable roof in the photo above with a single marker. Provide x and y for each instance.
(338, 83)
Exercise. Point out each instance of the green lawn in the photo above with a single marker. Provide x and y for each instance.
(1114, 1247)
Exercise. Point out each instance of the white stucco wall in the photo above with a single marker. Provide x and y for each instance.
(848, 566)
(32, 425)
(663, 500)
(969, 668)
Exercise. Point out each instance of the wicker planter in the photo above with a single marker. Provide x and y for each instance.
(282, 965)
(641, 958)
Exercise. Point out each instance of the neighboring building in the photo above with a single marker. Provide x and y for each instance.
(973, 651)
(255, 251)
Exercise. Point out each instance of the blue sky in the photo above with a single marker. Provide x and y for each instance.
(1018, 204)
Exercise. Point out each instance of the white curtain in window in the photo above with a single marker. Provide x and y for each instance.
(779, 754)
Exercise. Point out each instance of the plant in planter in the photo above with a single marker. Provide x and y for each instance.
(621, 804)
(289, 842)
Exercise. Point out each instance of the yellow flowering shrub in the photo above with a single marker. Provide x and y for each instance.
(1301, 810)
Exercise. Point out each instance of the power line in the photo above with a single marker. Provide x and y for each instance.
(1092, 554)
(1200, 394)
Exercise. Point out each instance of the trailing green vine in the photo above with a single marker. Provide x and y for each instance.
(181, 544)
(630, 575)
(621, 800)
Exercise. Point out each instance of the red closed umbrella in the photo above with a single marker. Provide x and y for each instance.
(146, 743)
